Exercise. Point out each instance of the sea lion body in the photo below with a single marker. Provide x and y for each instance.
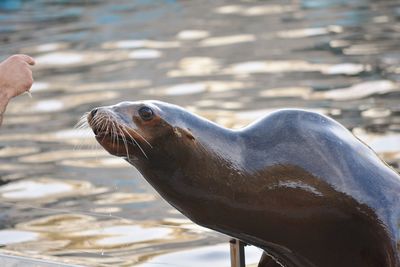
(295, 183)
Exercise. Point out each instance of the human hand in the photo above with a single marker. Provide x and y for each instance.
(15, 75)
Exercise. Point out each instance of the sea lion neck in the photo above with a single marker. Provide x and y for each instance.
(176, 168)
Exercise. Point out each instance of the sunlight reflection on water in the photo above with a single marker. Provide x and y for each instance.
(65, 198)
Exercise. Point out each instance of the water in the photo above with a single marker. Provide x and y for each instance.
(64, 198)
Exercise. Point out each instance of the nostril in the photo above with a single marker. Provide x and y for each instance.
(95, 131)
(93, 112)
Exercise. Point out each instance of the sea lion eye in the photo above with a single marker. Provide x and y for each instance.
(146, 113)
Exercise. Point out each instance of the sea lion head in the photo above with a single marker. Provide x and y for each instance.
(148, 134)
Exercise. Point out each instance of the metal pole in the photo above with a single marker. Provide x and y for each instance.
(237, 253)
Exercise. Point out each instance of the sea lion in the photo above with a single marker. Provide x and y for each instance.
(295, 183)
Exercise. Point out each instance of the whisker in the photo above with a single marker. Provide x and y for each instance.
(82, 120)
(102, 121)
(124, 140)
(114, 132)
(83, 126)
(141, 136)
(105, 126)
(137, 143)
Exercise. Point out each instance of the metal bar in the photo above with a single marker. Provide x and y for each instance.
(237, 253)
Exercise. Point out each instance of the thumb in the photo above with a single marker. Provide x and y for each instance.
(28, 59)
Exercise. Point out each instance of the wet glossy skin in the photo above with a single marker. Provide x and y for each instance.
(294, 183)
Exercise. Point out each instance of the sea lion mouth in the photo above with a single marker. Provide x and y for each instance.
(116, 137)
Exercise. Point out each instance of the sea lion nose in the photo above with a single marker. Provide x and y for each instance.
(93, 112)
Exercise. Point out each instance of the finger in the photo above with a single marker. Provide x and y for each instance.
(26, 71)
(27, 59)
(28, 79)
(30, 83)
(30, 60)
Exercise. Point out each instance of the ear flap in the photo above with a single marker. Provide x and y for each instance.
(188, 134)
(180, 132)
